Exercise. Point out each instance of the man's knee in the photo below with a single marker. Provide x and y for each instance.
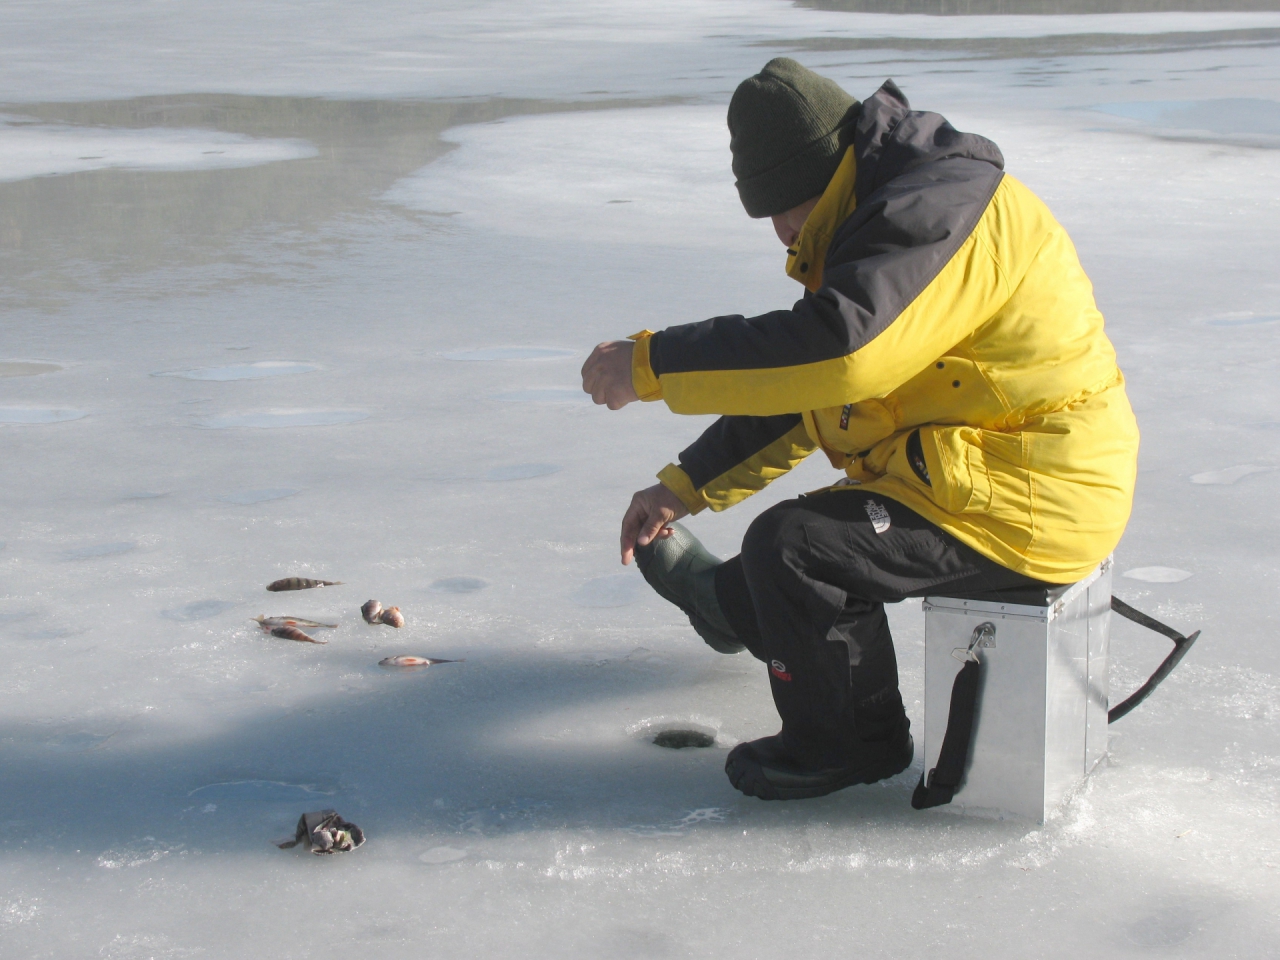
(772, 538)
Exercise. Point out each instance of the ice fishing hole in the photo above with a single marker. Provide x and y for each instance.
(678, 733)
(681, 739)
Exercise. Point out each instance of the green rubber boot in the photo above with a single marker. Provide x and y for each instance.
(680, 569)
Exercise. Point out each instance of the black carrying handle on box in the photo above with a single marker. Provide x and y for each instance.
(1181, 645)
(940, 784)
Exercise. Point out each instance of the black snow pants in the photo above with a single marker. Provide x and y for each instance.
(807, 594)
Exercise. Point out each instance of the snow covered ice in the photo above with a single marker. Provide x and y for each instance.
(367, 247)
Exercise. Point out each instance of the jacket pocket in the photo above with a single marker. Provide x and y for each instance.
(958, 468)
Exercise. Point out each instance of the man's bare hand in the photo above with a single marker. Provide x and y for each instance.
(647, 518)
(607, 374)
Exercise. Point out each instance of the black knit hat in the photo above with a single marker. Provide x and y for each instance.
(788, 130)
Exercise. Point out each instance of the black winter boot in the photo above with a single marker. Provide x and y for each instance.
(680, 569)
(764, 768)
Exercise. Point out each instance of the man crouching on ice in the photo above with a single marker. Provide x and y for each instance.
(947, 356)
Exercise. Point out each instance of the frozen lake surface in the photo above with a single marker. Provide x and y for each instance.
(434, 210)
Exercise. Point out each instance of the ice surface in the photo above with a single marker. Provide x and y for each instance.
(544, 395)
(264, 791)
(275, 419)
(521, 471)
(39, 415)
(616, 590)
(29, 149)
(1157, 574)
(246, 497)
(459, 584)
(1229, 475)
(198, 610)
(511, 353)
(442, 855)
(244, 371)
(1245, 319)
(463, 201)
(26, 368)
(1244, 119)
(99, 550)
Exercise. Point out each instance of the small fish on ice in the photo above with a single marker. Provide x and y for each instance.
(287, 632)
(413, 662)
(300, 583)
(373, 613)
(270, 623)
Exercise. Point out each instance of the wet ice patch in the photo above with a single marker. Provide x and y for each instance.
(145, 495)
(243, 371)
(197, 610)
(95, 550)
(544, 395)
(510, 353)
(458, 585)
(81, 742)
(521, 471)
(1229, 475)
(442, 855)
(30, 149)
(261, 791)
(616, 590)
(274, 419)
(1246, 121)
(246, 497)
(1157, 574)
(26, 368)
(39, 414)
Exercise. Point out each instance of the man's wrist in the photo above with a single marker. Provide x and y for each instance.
(677, 481)
(643, 380)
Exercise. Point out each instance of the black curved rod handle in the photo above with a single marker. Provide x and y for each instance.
(1181, 645)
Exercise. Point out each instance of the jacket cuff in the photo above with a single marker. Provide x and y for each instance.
(644, 381)
(678, 482)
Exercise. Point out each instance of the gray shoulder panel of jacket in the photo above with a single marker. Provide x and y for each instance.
(890, 249)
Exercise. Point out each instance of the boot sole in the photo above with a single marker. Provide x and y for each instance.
(755, 780)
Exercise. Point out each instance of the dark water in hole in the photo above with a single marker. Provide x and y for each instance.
(679, 739)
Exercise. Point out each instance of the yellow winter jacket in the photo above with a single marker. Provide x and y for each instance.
(948, 322)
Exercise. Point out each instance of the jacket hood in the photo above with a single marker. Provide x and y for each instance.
(891, 138)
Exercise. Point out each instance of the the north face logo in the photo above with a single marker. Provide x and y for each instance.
(878, 516)
(779, 670)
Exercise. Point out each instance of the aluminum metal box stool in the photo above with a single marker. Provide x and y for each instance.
(1040, 723)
